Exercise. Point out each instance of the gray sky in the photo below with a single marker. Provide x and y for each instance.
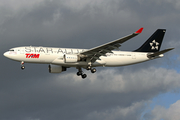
(122, 93)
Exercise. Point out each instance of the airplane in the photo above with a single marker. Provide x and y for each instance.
(106, 55)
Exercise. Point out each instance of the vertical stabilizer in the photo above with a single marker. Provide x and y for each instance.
(153, 44)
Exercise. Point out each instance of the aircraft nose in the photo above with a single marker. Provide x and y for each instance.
(5, 54)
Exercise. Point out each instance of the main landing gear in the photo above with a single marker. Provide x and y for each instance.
(22, 65)
(80, 72)
(93, 70)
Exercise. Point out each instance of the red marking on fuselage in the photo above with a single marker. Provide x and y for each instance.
(28, 55)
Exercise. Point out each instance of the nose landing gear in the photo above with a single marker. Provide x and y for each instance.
(22, 65)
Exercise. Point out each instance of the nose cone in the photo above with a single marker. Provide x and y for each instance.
(6, 54)
(10, 55)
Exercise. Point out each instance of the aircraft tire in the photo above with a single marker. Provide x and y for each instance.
(84, 76)
(93, 70)
(79, 73)
(22, 67)
(88, 67)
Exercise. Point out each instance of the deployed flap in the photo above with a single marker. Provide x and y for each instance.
(96, 52)
(158, 53)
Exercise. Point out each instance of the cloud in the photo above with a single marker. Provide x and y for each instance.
(12, 8)
(111, 93)
(39, 22)
(104, 95)
(159, 112)
(131, 113)
(13, 5)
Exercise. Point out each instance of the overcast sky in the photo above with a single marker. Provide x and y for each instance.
(146, 91)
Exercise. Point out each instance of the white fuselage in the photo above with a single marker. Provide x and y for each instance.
(49, 55)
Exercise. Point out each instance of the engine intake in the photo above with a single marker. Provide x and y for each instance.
(56, 68)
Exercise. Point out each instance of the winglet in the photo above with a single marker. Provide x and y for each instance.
(139, 31)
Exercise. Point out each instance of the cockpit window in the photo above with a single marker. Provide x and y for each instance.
(11, 50)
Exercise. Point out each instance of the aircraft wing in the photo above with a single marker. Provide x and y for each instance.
(96, 52)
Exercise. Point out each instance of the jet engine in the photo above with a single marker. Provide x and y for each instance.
(56, 68)
(71, 58)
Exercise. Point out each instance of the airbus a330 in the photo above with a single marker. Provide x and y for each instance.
(106, 55)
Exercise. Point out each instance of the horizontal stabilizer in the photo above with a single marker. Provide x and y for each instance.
(158, 53)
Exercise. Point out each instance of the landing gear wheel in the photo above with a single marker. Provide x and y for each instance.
(93, 70)
(88, 68)
(22, 67)
(84, 76)
(79, 73)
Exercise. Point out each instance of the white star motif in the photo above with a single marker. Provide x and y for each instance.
(154, 45)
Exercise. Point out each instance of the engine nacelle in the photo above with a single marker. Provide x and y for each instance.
(56, 68)
(71, 58)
